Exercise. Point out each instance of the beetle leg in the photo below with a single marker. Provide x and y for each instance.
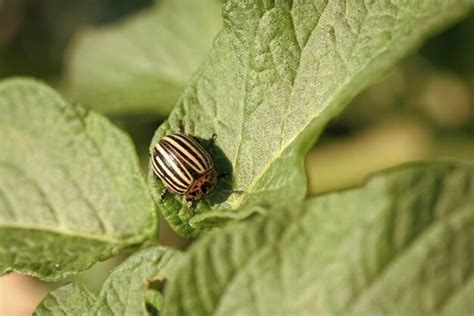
(163, 195)
(180, 127)
(223, 175)
(191, 206)
(210, 143)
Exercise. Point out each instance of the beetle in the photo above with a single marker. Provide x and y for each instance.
(185, 167)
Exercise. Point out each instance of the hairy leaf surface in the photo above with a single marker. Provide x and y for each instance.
(69, 299)
(400, 245)
(276, 74)
(141, 65)
(71, 191)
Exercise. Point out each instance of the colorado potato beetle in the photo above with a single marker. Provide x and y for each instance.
(185, 167)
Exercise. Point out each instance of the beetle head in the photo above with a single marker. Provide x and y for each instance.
(202, 187)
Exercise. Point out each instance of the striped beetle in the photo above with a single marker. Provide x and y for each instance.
(185, 167)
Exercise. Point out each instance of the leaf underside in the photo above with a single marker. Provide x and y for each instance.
(276, 74)
(401, 245)
(71, 191)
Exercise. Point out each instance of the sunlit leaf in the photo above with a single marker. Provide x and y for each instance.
(276, 74)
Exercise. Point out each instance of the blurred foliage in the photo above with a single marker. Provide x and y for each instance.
(34, 34)
(453, 50)
(141, 64)
(422, 109)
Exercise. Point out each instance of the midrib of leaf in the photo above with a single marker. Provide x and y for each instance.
(253, 184)
(61, 231)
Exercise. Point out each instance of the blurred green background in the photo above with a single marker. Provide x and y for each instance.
(422, 109)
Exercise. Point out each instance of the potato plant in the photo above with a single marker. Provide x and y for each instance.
(266, 77)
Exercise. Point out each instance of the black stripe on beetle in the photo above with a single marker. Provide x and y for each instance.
(174, 164)
(184, 166)
(169, 179)
(195, 169)
(191, 145)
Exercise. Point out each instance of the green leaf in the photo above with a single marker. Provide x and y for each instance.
(276, 74)
(124, 291)
(141, 65)
(400, 245)
(71, 191)
(154, 298)
(69, 299)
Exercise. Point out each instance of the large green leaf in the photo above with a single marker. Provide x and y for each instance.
(71, 191)
(141, 65)
(276, 74)
(123, 293)
(401, 245)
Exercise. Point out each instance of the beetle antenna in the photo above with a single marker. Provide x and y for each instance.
(223, 175)
(231, 191)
